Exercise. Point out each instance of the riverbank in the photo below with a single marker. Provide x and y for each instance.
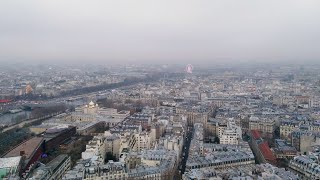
(7, 119)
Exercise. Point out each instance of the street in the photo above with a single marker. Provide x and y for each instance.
(185, 151)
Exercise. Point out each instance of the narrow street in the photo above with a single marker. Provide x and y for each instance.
(185, 151)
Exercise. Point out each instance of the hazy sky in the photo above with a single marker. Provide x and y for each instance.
(187, 31)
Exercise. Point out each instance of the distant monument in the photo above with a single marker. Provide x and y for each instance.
(28, 89)
(189, 69)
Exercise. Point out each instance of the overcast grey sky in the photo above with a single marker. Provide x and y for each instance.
(162, 30)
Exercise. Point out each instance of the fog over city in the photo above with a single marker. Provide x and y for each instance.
(164, 31)
(159, 90)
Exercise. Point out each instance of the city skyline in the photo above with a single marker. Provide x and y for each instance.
(131, 90)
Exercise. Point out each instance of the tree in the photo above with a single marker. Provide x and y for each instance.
(216, 140)
(110, 156)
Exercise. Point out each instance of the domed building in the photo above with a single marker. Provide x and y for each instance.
(93, 113)
(91, 108)
(86, 113)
